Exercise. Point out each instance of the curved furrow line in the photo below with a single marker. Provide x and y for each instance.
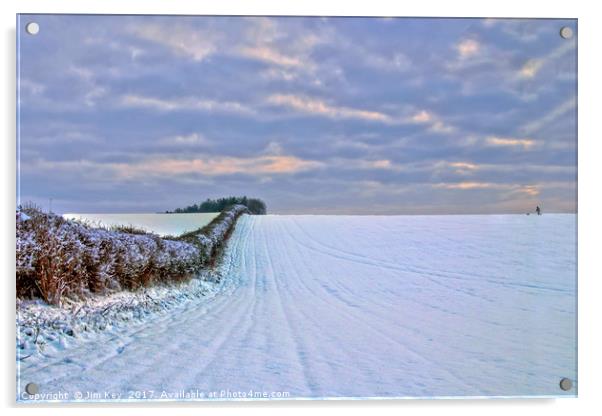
(386, 265)
(315, 321)
(392, 302)
(204, 348)
(371, 326)
(456, 275)
(293, 333)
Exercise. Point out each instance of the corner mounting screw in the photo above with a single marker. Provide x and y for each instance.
(32, 28)
(566, 32)
(566, 384)
(32, 388)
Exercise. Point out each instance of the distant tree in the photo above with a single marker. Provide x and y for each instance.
(255, 206)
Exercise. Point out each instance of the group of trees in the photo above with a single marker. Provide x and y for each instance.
(256, 206)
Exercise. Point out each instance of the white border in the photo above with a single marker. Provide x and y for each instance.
(590, 210)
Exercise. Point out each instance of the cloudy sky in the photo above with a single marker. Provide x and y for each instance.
(313, 115)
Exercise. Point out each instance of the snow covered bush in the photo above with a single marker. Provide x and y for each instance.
(211, 238)
(58, 257)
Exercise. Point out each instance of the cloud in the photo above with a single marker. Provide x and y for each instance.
(285, 49)
(534, 65)
(266, 54)
(464, 165)
(440, 127)
(467, 48)
(168, 167)
(382, 164)
(67, 137)
(261, 165)
(563, 108)
(531, 190)
(280, 74)
(379, 164)
(84, 73)
(318, 107)
(181, 40)
(184, 140)
(511, 142)
(499, 66)
(184, 103)
(531, 68)
(463, 168)
(321, 108)
(436, 125)
(466, 185)
(422, 117)
(521, 30)
(93, 91)
(398, 61)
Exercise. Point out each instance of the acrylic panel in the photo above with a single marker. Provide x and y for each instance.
(268, 208)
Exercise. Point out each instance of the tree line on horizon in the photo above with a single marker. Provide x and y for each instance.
(256, 206)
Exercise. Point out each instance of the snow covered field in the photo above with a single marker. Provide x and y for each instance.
(162, 224)
(351, 306)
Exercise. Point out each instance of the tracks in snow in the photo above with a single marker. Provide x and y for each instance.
(314, 308)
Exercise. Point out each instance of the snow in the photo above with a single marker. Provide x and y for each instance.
(347, 306)
(70, 258)
(161, 224)
(21, 216)
(42, 326)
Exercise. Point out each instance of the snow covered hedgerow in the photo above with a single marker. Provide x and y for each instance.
(211, 238)
(58, 257)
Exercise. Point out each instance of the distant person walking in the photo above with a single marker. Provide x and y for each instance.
(538, 210)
